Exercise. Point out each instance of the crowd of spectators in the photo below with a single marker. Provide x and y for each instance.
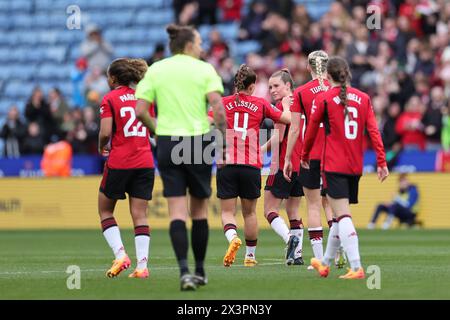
(404, 65)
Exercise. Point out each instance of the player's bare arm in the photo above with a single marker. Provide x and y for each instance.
(143, 115)
(215, 101)
(294, 132)
(104, 135)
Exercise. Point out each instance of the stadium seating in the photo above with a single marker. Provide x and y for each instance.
(36, 47)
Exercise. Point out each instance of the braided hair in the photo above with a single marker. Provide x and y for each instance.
(318, 62)
(245, 76)
(339, 71)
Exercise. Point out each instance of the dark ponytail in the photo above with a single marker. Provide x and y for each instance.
(339, 71)
(245, 76)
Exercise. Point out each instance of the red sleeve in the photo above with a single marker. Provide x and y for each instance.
(375, 137)
(317, 111)
(105, 109)
(295, 107)
(271, 112)
(151, 110)
(211, 113)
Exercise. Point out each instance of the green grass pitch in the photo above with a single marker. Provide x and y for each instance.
(414, 264)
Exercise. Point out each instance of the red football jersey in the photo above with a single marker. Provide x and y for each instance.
(296, 153)
(303, 100)
(243, 122)
(343, 152)
(130, 144)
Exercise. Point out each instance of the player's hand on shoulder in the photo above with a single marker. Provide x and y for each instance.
(286, 102)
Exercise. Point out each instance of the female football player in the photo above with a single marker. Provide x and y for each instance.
(277, 187)
(346, 113)
(309, 178)
(241, 174)
(129, 167)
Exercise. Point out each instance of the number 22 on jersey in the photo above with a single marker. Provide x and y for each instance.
(129, 130)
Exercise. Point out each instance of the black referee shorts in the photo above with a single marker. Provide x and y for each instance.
(238, 181)
(341, 186)
(182, 166)
(283, 189)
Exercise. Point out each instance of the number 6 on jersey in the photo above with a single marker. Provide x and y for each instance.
(351, 126)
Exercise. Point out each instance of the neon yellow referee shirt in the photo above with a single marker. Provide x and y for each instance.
(179, 85)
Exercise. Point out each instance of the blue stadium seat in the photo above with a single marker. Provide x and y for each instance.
(21, 5)
(245, 47)
(51, 71)
(17, 89)
(228, 31)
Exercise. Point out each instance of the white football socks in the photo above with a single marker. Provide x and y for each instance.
(316, 238)
(142, 243)
(333, 244)
(280, 227)
(112, 236)
(230, 234)
(349, 240)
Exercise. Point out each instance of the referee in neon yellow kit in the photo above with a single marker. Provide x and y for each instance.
(181, 85)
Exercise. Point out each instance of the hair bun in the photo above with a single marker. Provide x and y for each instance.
(172, 30)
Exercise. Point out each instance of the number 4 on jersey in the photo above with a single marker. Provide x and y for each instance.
(244, 127)
(136, 131)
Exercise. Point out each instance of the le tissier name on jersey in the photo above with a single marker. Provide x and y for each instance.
(245, 104)
(350, 96)
(127, 97)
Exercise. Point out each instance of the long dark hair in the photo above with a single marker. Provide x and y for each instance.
(339, 71)
(245, 76)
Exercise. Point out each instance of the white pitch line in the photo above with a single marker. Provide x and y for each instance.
(151, 268)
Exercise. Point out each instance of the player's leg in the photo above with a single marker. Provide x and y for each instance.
(139, 214)
(112, 188)
(249, 192)
(315, 230)
(199, 184)
(328, 212)
(228, 209)
(109, 225)
(296, 229)
(250, 231)
(271, 208)
(340, 259)
(343, 191)
(227, 181)
(199, 236)
(140, 190)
